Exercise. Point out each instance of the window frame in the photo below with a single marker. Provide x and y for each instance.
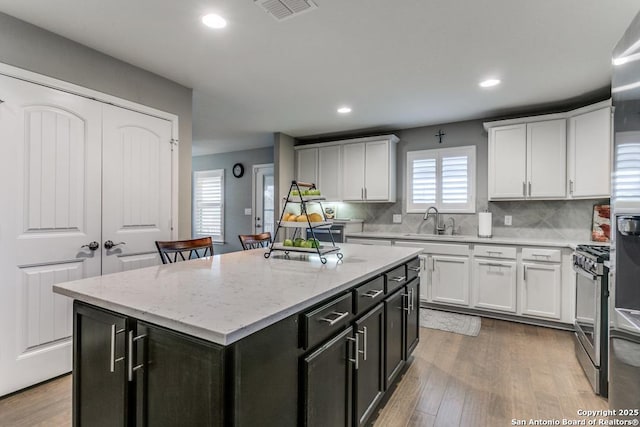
(208, 173)
(438, 154)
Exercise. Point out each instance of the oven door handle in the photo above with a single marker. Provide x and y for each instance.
(585, 273)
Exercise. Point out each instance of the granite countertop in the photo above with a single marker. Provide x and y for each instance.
(228, 297)
(459, 238)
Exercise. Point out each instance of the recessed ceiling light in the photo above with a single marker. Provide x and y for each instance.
(214, 21)
(489, 83)
(344, 110)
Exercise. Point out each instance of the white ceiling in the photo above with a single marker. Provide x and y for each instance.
(398, 63)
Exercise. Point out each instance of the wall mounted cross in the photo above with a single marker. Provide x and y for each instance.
(440, 134)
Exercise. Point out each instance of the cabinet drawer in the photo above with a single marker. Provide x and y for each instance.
(413, 269)
(395, 278)
(495, 251)
(368, 294)
(541, 254)
(324, 321)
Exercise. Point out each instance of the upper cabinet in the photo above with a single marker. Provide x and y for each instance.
(355, 170)
(556, 156)
(589, 154)
(528, 160)
(321, 166)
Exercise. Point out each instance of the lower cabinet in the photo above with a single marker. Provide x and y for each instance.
(541, 292)
(327, 382)
(495, 284)
(450, 279)
(412, 330)
(369, 371)
(101, 389)
(127, 373)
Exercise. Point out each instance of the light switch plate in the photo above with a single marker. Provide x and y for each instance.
(397, 219)
(507, 220)
(247, 211)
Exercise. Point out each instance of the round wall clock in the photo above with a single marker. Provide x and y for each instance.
(238, 170)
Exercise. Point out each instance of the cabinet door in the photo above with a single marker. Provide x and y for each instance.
(100, 386)
(495, 284)
(369, 382)
(376, 182)
(329, 172)
(590, 154)
(412, 329)
(180, 381)
(327, 383)
(353, 161)
(394, 335)
(307, 165)
(450, 280)
(547, 159)
(541, 290)
(507, 162)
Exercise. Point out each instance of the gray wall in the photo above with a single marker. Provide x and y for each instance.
(569, 220)
(32, 48)
(237, 191)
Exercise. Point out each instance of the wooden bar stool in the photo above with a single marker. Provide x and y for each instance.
(255, 241)
(175, 250)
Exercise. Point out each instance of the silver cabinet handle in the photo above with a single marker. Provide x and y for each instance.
(109, 244)
(494, 252)
(112, 355)
(570, 186)
(339, 317)
(529, 188)
(411, 307)
(416, 269)
(363, 331)
(132, 368)
(399, 279)
(408, 308)
(355, 360)
(524, 188)
(365, 193)
(524, 275)
(373, 293)
(492, 264)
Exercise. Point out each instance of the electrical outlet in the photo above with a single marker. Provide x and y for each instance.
(507, 220)
(247, 211)
(397, 219)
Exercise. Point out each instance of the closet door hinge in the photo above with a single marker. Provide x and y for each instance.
(173, 143)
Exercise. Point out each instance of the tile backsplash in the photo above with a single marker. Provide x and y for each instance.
(545, 219)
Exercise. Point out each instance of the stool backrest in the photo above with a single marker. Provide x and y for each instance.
(254, 241)
(183, 250)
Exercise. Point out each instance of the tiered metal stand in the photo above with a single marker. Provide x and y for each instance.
(321, 250)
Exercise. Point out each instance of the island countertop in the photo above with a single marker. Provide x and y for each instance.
(227, 297)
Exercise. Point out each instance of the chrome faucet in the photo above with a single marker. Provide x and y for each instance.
(453, 225)
(433, 211)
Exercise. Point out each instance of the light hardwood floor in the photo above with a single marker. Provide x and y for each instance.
(510, 371)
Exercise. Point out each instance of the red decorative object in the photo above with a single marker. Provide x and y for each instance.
(601, 225)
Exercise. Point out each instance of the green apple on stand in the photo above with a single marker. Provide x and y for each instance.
(287, 242)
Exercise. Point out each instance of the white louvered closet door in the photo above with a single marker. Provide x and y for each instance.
(136, 198)
(50, 169)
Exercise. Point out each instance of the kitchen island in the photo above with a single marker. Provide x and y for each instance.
(238, 339)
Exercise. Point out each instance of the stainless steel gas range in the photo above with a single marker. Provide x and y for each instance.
(591, 324)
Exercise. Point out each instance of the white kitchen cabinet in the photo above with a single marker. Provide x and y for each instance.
(528, 160)
(541, 289)
(369, 170)
(495, 284)
(589, 155)
(449, 279)
(321, 166)
(307, 165)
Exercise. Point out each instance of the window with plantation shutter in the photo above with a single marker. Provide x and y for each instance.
(626, 180)
(208, 204)
(444, 178)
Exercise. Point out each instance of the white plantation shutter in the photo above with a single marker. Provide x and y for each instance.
(626, 181)
(208, 204)
(444, 178)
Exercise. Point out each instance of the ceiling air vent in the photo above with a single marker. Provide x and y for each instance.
(285, 9)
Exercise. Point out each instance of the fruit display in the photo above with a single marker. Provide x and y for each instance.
(303, 211)
(301, 243)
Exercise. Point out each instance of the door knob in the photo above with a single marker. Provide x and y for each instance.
(93, 245)
(109, 244)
